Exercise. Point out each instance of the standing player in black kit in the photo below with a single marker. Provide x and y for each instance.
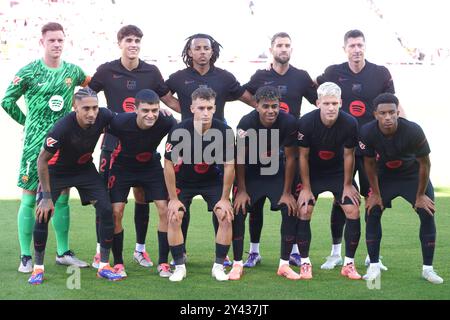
(293, 84)
(397, 162)
(66, 161)
(138, 164)
(199, 54)
(361, 82)
(120, 80)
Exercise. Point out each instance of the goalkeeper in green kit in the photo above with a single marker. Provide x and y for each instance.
(47, 85)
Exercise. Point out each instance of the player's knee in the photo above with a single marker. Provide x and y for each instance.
(104, 211)
(351, 212)
(306, 215)
(174, 224)
(225, 224)
(139, 195)
(375, 212)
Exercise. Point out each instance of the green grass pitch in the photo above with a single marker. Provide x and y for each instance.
(400, 249)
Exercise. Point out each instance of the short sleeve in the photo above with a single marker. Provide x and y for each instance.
(364, 143)
(419, 143)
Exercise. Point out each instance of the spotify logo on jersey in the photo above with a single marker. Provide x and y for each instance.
(56, 103)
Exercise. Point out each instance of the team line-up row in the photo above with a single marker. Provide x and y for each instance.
(326, 139)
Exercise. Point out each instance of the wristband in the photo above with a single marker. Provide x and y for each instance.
(46, 195)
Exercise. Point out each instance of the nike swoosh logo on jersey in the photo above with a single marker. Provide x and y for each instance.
(117, 76)
(40, 84)
(189, 81)
(268, 82)
(340, 79)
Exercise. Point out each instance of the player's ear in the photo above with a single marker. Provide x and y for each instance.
(192, 108)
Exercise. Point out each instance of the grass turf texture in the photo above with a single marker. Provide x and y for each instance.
(400, 249)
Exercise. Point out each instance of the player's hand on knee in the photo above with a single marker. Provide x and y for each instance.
(241, 201)
(174, 207)
(372, 201)
(289, 201)
(352, 193)
(303, 201)
(224, 209)
(44, 210)
(175, 217)
(425, 203)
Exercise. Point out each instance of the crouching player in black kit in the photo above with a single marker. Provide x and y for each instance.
(327, 139)
(66, 161)
(194, 150)
(138, 164)
(397, 163)
(262, 173)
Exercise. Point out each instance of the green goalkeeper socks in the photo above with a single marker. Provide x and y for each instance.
(25, 223)
(61, 223)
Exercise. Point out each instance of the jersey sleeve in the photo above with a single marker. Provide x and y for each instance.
(303, 136)
(235, 90)
(170, 144)
(325, 76)
(229, 145)
(364, 144)
(290, 139)
(55, 136)
(311, 89)
(253, 84)
(388, 81)
(115, 125)
(82, 79)
(242, 132)
(351, 140)
(97, 80)
(17, 87)
(161, 88)
(419, 143)
(171, 83)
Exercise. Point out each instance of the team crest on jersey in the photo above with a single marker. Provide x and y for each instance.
(51, 142)
(362, 145)
(16, 80)
(169, 147)
(68, 82)
(25, 178)
(131, 84)
(241, 133)
(56, 103)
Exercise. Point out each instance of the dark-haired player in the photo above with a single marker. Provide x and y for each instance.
(360, 81)
(195, 148)
(397, 163)
(200, 53)
(138, 164)
(294, 85)
(120, 80)
(47, 85)
(327, 139)
(66, 161)
(263, 173)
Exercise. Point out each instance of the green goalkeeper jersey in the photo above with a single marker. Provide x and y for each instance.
(48, 94)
